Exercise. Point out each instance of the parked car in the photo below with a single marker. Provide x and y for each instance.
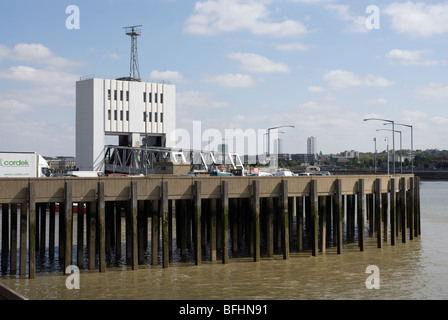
(221, 174)
(261, 174)
(284, 173)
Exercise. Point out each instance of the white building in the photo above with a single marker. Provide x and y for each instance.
(130, 110)
(311, 145)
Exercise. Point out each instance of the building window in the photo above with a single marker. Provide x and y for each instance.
(108, 94)
(115, 94)
(150, 97)
(144, 96)
(121, 95)
(127, 115)
(127, 95)
(155, 117)
(115, 114)
(161, 116)
(161, 98)
(155, 97)
(109, 114)
(121, 115)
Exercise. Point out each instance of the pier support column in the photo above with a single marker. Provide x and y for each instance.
(338, 214)
(101, 213)
(155, 232)
(256, 218)
(213, 233)
(403, 206)
(197, 221)
(417, 206)
(379, 213)
(393, 211)
(133, 226)
(68, 214)
(165, 225)
(225, 221)
(270, 227)
(361, 214)
(32, 231)
(285, 219)
(23, 237)
(5, 236)
(314, 218)
(299, 222)
(411, 207)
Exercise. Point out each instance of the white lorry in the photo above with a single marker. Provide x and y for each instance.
(23, 165)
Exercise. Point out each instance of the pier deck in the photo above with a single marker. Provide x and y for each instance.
(218, 214)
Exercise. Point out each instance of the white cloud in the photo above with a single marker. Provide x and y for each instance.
(315, 89)
(410, 57)
(377, 101)
(345, 79)
(434, 91)
(166, 75)
(37, 53)
(232, 80)
(218, 16)
(357, 24)
(251, 62)
(197, 99)
(418, 19)
(294, 46)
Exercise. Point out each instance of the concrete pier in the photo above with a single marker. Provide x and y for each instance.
(211, 217)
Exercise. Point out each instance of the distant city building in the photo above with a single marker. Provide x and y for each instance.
(311, 145)
(303, 157)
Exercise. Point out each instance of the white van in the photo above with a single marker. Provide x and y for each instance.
(284, 173)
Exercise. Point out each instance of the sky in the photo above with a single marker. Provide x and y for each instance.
(318, 67)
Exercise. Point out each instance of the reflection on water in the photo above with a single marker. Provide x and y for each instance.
(417, 269)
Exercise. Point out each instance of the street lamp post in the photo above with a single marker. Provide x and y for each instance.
(401, 148)
(269, 133)
(374, 139)
(412, 142)
(393, 136)
(387, 140)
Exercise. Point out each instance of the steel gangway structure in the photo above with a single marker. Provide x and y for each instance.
(143, 160)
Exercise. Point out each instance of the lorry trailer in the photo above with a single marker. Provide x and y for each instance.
(23, 165)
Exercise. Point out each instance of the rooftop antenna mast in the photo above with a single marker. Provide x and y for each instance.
(134, 32)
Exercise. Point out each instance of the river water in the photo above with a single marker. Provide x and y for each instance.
(417, 269)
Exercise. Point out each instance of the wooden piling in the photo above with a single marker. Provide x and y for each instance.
(5, 237)
(270, 227)
(197, 221)
(165, 225)
(68, 215)
(101, 213)
(133, 226)
(379, 213)
(213, 226)
(338, 214)
(299, 222)
(285, 219)
(411, 208)
(256, 219)
(23, 237)
(225, 221)
(314, 218)
(32, 231)
(403, 209)
(361, 214)
(393, 211)
(155, 233)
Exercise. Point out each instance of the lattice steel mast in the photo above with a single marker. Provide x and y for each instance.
(134, 71)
